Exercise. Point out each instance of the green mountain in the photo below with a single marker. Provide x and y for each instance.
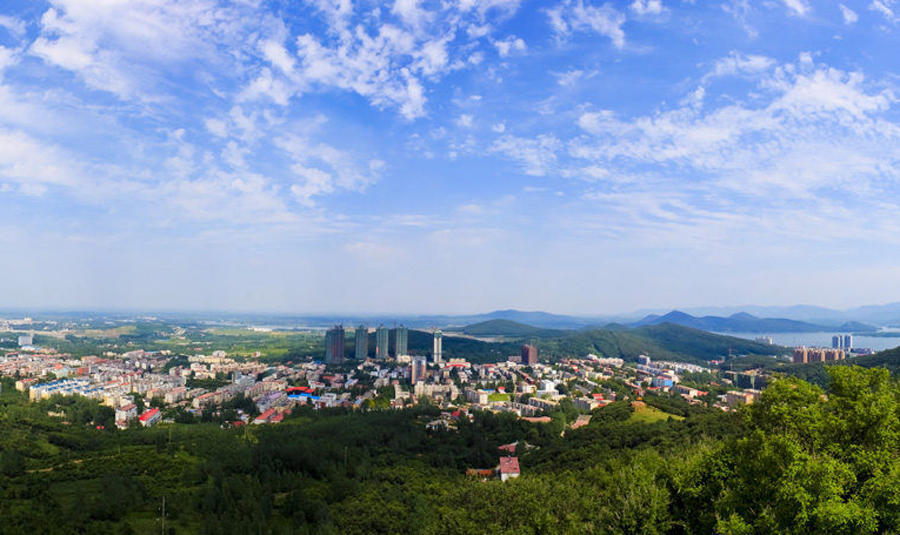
(666, 341)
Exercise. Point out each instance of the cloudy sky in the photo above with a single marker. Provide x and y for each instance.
(448, 156)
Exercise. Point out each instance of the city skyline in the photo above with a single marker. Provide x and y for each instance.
(406, 157)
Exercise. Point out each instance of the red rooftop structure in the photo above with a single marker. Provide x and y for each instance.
(509, 468)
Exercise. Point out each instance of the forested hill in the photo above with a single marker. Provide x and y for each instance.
(510, 328)
(666, 341)
(796, 461)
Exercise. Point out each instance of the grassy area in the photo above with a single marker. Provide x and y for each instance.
(648, 415)
(114, 332)
(498, 397)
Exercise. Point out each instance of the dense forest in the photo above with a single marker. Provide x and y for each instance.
(802, 459)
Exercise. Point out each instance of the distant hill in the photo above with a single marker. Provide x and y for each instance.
(664, 342)
(667, 341)
(856, 327)
(510, 328)
(740, 322)
(885, 314)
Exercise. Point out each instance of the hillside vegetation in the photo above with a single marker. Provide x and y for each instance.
(666, 341)
(795, 462)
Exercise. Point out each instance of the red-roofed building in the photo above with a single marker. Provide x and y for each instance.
(264, 417)
(509, 448)
(150, 417)
(509, 468)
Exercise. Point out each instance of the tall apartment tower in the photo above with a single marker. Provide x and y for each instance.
(381, 342)
(334, 345)
(836, 341)
(401, 338)
(529, 354)
(848, 342)
(362, 342)
(436, 351)
(417, 370)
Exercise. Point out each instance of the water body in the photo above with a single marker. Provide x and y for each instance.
(823, 339)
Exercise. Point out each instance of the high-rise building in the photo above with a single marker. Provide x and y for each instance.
(362, 342)
(437, 348)
(848, 342)
(381, 342)
(417, 370)
(334, 345)
(401, 337)
(803, 355)
(529, 354)
(836, 341)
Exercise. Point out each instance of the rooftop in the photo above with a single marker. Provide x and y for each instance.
(509, 465)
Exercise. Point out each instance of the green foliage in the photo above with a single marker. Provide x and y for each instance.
(802, 459)
(662, 342)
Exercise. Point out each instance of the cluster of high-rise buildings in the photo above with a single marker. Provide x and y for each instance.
(802, 355)
(335, 337)
(844, 342)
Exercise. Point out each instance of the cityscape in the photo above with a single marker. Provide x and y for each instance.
(449, 267)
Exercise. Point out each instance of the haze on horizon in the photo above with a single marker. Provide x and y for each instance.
(579, 157)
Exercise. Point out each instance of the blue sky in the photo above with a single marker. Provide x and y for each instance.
(448, 156)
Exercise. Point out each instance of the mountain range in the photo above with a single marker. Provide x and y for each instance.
(886, 314)
(743, 322)
(666, 341)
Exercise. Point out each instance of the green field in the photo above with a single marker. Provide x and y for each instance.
(649, 415)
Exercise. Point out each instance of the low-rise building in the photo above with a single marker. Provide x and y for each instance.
(509, 468)
(150, 417)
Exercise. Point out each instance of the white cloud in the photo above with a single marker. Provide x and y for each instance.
(8, 58)
(797, 7)
(536, 156)
(819, 129)
(886, 8)
(647, 7)
(850, 16)
(577, 16)
(320, 168)
(740, 10)
(499, 128)
(389, 63)
(411, 14)
(13, 25)
(217, 127)
(128, 48)
(464, 121)
(511, 44)
(569, 78)
(736, 63)
(34, 165)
